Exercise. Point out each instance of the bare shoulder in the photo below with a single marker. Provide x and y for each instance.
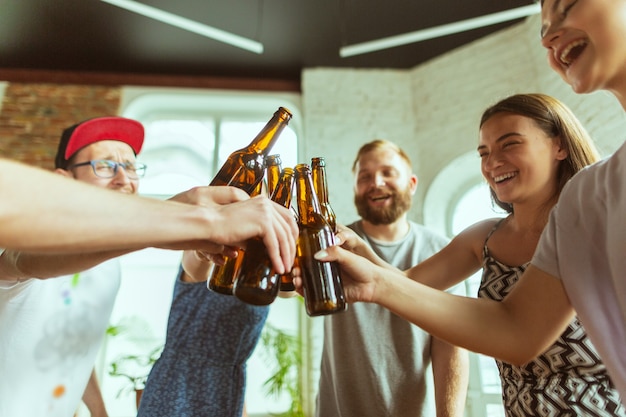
(479, 230)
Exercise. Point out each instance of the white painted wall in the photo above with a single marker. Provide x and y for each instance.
(433, 110)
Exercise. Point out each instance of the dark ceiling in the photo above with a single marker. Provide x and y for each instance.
(91, 35)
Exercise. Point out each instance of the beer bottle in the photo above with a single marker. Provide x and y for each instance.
(272, 172)
(323, 291)
(318, 170)
(245, 169)
(257, 282)
(222, 277)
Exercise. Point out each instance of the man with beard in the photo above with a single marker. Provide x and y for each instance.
(375, 363)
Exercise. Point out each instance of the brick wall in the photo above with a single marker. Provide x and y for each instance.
(34, 115)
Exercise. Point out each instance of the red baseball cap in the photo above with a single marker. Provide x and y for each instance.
(82, 134)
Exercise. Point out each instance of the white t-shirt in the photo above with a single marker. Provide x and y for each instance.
(50, 333)
(584, 244)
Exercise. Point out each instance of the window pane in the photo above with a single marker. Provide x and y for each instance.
(473, 206)
(178, 154)
(236, 135)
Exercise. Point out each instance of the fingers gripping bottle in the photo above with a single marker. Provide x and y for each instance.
(323, 291)
(272, 173)
(257, 283)
(222, 277)
(245, 169)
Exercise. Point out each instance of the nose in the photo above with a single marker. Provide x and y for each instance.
(550, 33)
(121, 176)
(379, 180)
(491, 162)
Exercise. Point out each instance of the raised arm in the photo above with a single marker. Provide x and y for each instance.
(454, 263)
(16, 265)
(196, 266)
(42, 212)
(514, 330)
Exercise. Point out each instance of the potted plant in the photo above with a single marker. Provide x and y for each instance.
(135, 366)
(283, 352)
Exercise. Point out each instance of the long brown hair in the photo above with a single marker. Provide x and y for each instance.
(559, 123)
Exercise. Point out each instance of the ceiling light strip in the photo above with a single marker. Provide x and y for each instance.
(439, 31)
(189, 25)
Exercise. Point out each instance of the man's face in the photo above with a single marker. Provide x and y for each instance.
(384, 186)
(111, 150)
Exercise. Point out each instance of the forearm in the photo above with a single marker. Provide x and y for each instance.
(92, 397)
(196, 267)
(506, 331)
(16, 265)
(45, 212)
(451, 376)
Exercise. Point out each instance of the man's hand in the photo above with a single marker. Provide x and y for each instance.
(235, 218)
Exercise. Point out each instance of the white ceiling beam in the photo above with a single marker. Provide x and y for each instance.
(189, 25)
(439, 31)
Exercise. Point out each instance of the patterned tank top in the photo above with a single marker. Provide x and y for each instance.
(568, 379)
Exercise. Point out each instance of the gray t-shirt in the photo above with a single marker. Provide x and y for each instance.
(374, 363)
(584, 244)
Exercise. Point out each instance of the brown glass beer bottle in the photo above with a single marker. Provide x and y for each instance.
(272, 173)
(245, 169)
(273, 170)
(318, 171)
(323, 291)
(257, 283)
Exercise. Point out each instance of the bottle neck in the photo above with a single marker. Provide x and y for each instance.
(320, 184)
(282, 193)
(308, 204)
(264, 141)
(273, 177)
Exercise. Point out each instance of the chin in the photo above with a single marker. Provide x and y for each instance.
(579, 88)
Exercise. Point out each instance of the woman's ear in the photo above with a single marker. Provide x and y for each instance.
(561, 152)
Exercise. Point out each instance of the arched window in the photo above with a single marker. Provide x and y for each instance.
(456, 199)
(189, 135)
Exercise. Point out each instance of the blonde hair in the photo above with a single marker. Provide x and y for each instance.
(381, 144)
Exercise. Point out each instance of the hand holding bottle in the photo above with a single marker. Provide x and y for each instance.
(253, 217)
(322, 288)
(359, 276)
(244, 169)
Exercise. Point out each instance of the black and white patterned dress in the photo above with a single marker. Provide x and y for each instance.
(568, 379)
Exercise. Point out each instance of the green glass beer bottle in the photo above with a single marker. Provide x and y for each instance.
(321, 283)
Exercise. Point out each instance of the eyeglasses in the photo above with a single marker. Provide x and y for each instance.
(105, 168)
